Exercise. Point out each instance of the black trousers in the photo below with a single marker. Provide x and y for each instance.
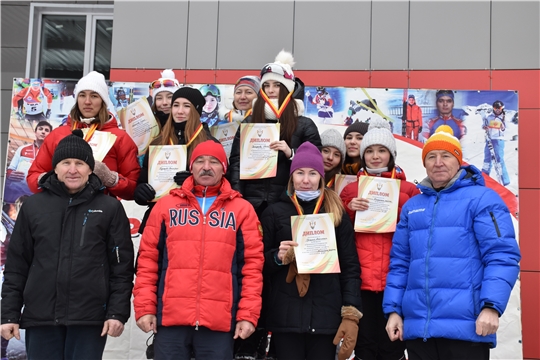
(64, 342)
(178, 342)
(447, 349)
(373, 342)
(295, 346)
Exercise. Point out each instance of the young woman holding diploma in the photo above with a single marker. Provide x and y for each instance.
(377, 158)
(275, 104)
(120, 169)
(183, 127)
(308, 314)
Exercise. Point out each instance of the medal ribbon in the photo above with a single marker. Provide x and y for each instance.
(331, 182)
(90, 132)
(299, 209)
(245, 116)
(197, 132)
(279, 111)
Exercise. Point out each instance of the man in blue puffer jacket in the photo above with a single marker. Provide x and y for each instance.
(453, 262)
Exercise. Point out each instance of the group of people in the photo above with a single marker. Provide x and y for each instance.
(216, 271)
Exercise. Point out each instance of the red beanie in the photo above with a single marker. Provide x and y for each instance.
(209, 148)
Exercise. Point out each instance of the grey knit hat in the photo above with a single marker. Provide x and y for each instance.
(333, 138)
(73, 147)
(379, 134)
(357, 126)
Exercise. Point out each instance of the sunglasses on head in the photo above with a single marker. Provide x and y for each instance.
(273, 68)
(164, 83)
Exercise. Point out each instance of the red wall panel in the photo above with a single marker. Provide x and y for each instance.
(389, 79)
(529, 148)
(530, 309)
(450, 79)
(529, 229)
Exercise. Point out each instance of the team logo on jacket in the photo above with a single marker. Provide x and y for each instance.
(186, 216)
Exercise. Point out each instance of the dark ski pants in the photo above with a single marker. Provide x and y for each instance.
(446, 349)
(177, 343)
(72, 342)
(373, 342)
(296, 346)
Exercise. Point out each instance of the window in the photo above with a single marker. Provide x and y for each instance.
(68, 41)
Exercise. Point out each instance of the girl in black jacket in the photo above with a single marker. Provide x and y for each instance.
(308, 314)
(275, 104)
(183, 127)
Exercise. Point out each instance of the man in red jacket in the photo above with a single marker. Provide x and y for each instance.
(199, 273)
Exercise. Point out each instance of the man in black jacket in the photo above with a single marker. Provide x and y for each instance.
(69, 263)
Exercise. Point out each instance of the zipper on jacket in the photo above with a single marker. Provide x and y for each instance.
(204, 205)
(84, 228)
(117, 254)
(197, 310)
(197, 325)
(495, 223)
(426, 274)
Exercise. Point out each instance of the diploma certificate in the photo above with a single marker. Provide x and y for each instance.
(164, 162)
(100, 142)
(342, 180)
(257, 160)
(139, 122)
(383, 196)
(316, 252)
(225, 134)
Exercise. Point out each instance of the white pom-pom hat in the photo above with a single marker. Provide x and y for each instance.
(167, 82)
(280, 70)
(379, 134)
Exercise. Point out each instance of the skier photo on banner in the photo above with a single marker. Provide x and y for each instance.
(495, 126)
(445, 106)
(324, 104)
(29, 102)
(210, 112)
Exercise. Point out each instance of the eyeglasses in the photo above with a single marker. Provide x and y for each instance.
(274, 68)
(156, 84)
(210, 89)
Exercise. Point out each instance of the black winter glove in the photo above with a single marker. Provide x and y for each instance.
(144, 193)
(181, 176)
(48, 114)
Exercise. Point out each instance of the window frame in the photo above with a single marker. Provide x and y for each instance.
(38, 10)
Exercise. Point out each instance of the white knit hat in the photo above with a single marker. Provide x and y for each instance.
(280, 70)
(333, 138)
(379, 134)
(93, 81)
(166, 74)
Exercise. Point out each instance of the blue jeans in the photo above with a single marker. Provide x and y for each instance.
(498, 148)
(65, 342)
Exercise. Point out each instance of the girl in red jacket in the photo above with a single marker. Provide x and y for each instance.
(378, 154)
(120, 169)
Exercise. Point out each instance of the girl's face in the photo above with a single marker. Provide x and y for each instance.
(352, 144)
(180, 110)
(331, 158)
(163, 101)
(376, 156)
(89, 103)
(306, 179)
(271, 89)
(211, 103)
(243, 97)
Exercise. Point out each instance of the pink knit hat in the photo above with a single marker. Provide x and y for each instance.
(308, 156)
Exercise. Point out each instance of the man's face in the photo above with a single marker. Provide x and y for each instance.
(42, 132)
(497, 111)
(207, 171)
(445, 104)
(73, 173)
(441, 167)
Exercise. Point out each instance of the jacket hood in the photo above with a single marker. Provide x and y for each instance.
(468, 175)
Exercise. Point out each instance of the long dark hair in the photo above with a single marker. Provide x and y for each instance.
(288, 119)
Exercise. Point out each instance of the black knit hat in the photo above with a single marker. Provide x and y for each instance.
(357, 126)
(194, 96)
(73, 147)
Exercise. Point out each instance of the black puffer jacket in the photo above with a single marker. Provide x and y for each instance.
(270, 189)
(319, 311)
(70, 260)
